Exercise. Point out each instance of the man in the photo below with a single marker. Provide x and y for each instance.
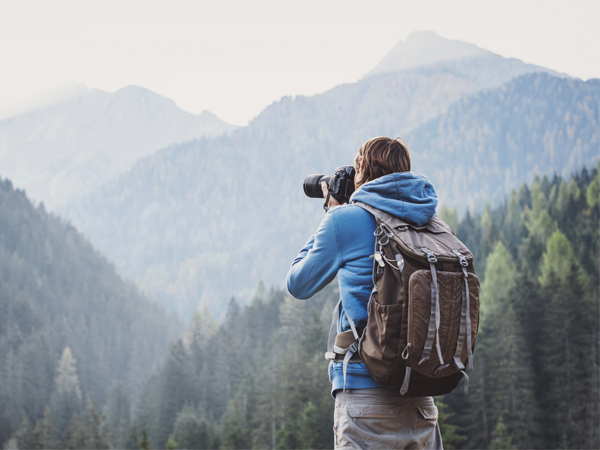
(367, 415)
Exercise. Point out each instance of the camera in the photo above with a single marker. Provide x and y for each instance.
(341, 185)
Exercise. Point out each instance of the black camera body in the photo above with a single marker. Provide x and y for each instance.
(341, 185)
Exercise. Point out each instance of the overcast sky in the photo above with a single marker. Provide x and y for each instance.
(234, 58)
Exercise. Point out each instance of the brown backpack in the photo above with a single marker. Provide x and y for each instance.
(423, 310)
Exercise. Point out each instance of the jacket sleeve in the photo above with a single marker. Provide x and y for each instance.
(318, 262)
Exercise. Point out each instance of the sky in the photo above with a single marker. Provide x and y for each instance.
(236, 57)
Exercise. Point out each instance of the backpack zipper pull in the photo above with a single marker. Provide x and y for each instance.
(405, 351)
(379, 259)
(400, 262)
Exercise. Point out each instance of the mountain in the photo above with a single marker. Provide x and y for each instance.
(493, 141)
(70, 147)
(70, 328)
(56, 93)
(425, 48)
(200, 221)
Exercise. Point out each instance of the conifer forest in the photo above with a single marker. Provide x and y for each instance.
(258, 378)
(145, 240)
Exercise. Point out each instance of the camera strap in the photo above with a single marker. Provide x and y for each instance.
(326, 204)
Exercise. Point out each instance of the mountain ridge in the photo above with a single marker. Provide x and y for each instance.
(163, 210)
(69, 148)
(423, 49)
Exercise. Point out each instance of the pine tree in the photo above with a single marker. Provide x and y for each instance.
(45, 435)
(174, 390)
(66, 379)
(24, 435)
(117, 416)
(235, 433)
(171, 444)
(72, 437)
(190, 431)
(450, 435)
(568, 364)
(501, 439)
(66, 398)
(144, 443)
(499, 279)
(132, 441)
(558, 260)
(91, 433)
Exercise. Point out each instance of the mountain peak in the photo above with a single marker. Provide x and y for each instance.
(423, 48)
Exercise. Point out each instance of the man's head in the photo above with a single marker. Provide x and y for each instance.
(380, 156)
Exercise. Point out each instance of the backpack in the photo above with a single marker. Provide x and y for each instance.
(423, 310)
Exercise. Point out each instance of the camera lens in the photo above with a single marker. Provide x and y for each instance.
(312, 185)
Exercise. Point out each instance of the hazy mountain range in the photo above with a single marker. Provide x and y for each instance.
(205, 219)
(82, 137)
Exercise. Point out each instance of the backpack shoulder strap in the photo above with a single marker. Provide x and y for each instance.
(378, 214)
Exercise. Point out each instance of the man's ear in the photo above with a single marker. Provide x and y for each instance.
(362, 164)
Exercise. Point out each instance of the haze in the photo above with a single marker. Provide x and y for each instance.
(234, 58)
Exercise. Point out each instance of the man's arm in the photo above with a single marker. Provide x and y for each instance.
(318, 262)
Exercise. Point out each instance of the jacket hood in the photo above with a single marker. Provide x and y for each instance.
(406, 195)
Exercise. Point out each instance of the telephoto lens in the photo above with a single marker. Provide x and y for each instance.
(312, 185)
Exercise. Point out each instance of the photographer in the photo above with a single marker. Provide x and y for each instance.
(367, 415)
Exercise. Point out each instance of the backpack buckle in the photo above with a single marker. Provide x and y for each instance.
(461, 258)
(430, 255)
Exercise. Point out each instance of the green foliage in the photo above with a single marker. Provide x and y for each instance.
(236, 433)
(45, 435)
(24, 435)
(450, 216)
(171, 444)
(132, 441)
(144, 443)
(593, 193)
(117, 416)
(91, 432)
(65, 401)
(501, 440)
(450, 435)
(191, 431)
(539, 223)
(70, 327)
(559, 259)
(259, 380)
(499, 279)
(535, 383)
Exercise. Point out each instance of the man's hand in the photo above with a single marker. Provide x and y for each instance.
(332, 201)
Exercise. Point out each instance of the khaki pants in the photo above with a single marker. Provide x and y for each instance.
(382, 419)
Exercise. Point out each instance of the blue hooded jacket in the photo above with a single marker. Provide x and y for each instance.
(342, 245)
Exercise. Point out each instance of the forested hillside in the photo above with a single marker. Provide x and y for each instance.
(537, 124)
(193, 222)
(71, 330)
(259, 379)
(536, 378)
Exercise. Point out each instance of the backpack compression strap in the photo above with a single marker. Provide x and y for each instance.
(465, 318)
(433, 332)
